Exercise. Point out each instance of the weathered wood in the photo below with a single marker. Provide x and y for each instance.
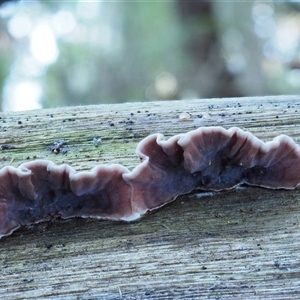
(238, 244)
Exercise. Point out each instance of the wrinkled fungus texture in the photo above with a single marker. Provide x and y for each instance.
(206, 159)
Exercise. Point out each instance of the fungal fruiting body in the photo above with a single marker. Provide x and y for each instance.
(208, 159)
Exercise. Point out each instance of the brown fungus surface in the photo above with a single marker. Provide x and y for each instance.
(207, 159)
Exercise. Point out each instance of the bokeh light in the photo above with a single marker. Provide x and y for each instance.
(86, 52)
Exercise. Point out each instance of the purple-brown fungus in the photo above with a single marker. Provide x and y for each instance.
(207, 159)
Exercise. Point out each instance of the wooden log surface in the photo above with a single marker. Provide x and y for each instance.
(242, 244)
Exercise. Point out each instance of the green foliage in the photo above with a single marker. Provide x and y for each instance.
(120, 51)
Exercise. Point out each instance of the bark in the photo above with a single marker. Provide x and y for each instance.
(237, 244)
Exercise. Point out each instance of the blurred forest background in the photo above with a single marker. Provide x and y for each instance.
(58, 53)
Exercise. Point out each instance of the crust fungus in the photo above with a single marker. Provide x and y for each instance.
(208, 159)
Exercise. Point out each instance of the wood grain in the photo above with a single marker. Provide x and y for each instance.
(241, 244)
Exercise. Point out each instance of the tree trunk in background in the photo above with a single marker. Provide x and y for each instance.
(241, 48)
(204, 45)
(226, 53)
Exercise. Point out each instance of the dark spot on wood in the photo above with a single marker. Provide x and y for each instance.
(7, 147)
(59, 146)
(48, 246)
